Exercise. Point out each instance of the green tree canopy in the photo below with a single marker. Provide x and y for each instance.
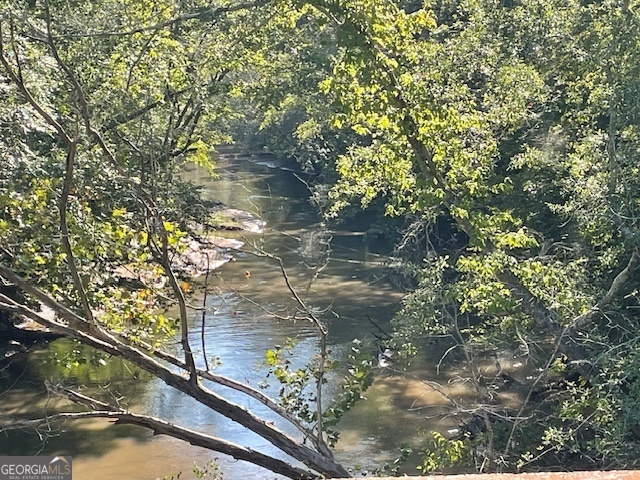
(514, 122)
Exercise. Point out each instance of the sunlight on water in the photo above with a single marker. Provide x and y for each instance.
(238, 332)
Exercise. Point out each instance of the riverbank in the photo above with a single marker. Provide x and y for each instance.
(202, 251)
(234, 329)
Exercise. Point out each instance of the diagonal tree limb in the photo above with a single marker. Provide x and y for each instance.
(113, 346)
(158, 426)
(234, 385)
(199, 393)
(617, 284)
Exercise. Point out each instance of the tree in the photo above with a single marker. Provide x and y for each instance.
(488, 115)
(111, 98)
(513, 123)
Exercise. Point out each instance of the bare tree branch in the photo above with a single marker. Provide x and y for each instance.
(322, 333)
(109, 344)
(199, 439)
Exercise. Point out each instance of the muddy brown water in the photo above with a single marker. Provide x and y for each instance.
(238, 332)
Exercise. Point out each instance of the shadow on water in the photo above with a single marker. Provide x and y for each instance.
(237, 331)
(23, 393)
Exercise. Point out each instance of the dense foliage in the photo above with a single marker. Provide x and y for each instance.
(504, 132)
(515, 123)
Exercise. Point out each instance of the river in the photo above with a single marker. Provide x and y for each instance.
(237, 332)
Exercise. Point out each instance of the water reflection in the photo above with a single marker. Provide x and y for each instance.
(238, 327)
(237, 331)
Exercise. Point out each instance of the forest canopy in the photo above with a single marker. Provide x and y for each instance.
(503, 135)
